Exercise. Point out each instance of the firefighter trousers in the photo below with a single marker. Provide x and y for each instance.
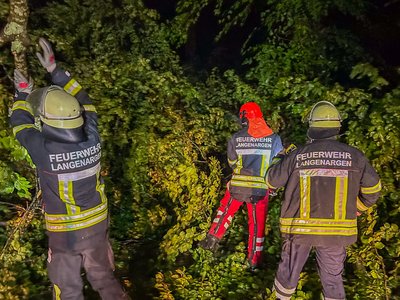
(257, 214)
(64, 270)
(330, 263)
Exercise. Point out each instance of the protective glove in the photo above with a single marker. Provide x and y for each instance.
(47, 60)
(22, 85)
(272, 192)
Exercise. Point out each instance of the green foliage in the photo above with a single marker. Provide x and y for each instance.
(10, 180)
(22, 268)
(374, 275)
(164, 138)
(188, 13)
(4, 8)
(372, 73)
(299, 41)
(210, 278)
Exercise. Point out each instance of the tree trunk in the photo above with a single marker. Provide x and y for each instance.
(15, 31)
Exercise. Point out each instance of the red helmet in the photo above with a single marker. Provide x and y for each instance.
(250, 110)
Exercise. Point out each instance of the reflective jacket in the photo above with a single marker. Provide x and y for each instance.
(326, 182)
(72, 189)
(250, 157)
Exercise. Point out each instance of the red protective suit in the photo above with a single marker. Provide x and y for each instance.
(257, 214)
(250, 153)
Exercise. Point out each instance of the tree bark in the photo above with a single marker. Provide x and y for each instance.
(16, 33)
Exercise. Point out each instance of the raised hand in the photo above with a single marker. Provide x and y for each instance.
(47, 59)
(22, 85)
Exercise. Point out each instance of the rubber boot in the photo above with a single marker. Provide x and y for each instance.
(211, 243)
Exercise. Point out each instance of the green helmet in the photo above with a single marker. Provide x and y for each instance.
(59, 109)
(324, 115)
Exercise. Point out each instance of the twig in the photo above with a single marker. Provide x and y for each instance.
(26, 218)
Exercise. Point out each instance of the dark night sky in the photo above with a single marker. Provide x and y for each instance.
(380, 36)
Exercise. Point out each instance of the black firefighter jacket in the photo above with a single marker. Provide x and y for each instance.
(326, 183)
(250, 157)
(73, 191)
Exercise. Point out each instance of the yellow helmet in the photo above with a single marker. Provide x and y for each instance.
(324, 115)
(59, 109)
(60, 114)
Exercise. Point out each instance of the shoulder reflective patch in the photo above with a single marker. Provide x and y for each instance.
(72, 87)
(89, 107)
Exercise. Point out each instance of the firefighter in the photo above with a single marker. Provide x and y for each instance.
(250, 152)
(66, 153)
(327, 185)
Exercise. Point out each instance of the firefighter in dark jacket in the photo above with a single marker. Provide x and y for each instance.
(67, 154)
(250, 152)
(327, 185)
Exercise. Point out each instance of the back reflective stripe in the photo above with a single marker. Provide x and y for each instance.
(90, 217)
(341, 190)
(318, 226)
(254, 152)
(319, 230)
(74, 176)
(324, 173)
(318, 222)
(258, 185)
(61, 218)
(248, 178)
(76, 226)
(304, 196)
(341, 197)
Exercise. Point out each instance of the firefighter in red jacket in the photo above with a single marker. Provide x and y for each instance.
(250, 152)
(327, 184)
(67, 154)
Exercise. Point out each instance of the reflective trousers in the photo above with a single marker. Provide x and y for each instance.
(257, 214)
(330, 262)
(64, 270)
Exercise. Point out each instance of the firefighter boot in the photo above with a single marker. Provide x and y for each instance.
(211, 243)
